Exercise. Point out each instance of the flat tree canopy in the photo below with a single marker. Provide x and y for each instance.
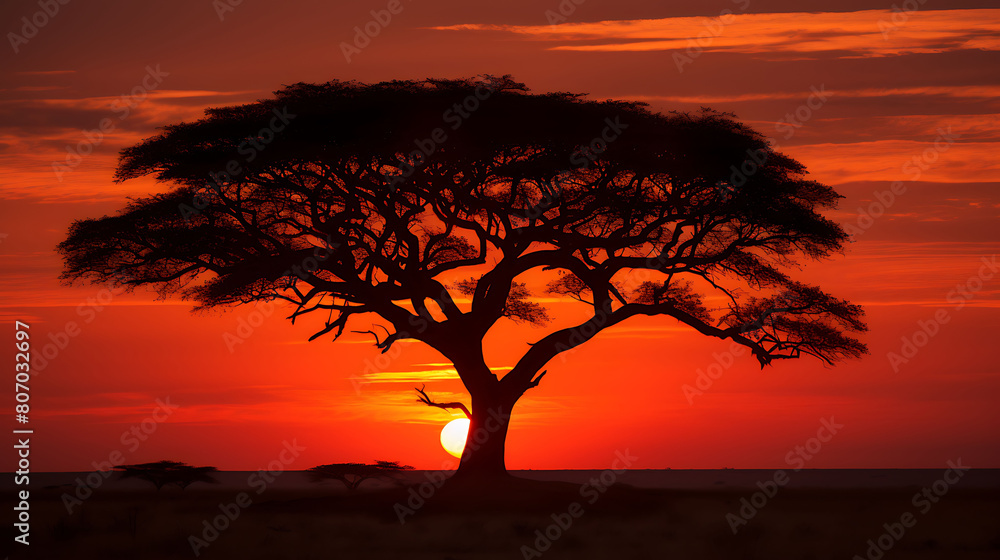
(162, 473)
(353, 474)
(347, 198)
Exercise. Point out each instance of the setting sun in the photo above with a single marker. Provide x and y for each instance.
(453, 436)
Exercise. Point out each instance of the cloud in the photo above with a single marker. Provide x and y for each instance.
(898, 160)
(954, 92)
(861, 34)
(154, 108)
(38, 135)
(420, 374)
(865, 128)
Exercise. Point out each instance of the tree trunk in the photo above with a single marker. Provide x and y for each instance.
(489, 414)
(483, 457)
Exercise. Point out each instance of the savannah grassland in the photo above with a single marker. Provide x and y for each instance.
(457, 523)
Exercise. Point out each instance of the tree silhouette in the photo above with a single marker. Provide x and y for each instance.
(353, 474)
(162, 473)
(391, 199)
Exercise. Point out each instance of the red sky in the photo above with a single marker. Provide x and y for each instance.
(891, 86)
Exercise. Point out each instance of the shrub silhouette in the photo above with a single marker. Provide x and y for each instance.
(353, 474)
(163, 473)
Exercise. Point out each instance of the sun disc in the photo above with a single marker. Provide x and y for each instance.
(453, 436)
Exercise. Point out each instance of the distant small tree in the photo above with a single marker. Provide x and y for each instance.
(353, 474)
(187, 475)
(162, 473)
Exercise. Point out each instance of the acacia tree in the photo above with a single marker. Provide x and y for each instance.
(162, 473)
(353, 474)
(391, 199)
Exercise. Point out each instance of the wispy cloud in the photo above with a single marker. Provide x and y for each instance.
(898, 160)
(962, 92)
(36, 132)
(420, 373)
(846, 34)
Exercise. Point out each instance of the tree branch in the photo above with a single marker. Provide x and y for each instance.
(534, 382)
(427, 400)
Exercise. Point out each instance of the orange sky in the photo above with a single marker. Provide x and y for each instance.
(911, 99)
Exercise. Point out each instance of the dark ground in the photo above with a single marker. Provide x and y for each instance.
(455, 523)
